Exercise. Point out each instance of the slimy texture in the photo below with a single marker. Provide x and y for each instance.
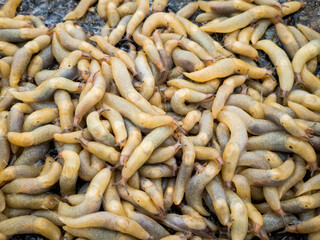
(157, 128)
(280, 59)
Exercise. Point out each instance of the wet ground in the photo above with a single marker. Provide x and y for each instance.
(52, 12)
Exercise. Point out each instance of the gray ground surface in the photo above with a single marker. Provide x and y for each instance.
(52, 12)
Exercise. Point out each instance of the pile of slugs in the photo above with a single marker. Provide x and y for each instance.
(155, 130)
